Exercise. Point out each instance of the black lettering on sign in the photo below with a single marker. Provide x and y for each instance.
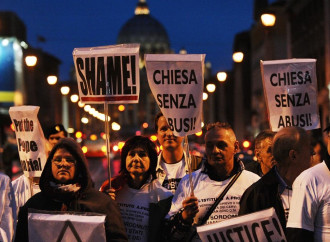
(31, 165)
(290, 78)
(27, 146)
(114, 74)
(90, 74)
(301, 120)
(176, 77)
(100, 77)
(176, 101)
(268, 233)
(292, 100)
(83, 83)
(23, 125)
(182, 124)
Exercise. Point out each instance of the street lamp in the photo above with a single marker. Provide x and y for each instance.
(65, 90)
(52, 80)
(268, 19)
(210, 87)
(31, 60)
(205, 96)
(74, 98)
(221, 76)
(238, 57)
(65, 106)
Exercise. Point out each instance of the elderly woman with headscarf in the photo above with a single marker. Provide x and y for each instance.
(143, 202)
(66, 185)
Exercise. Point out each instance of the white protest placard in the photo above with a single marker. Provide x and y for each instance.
(108, 73)
(259, 226)
(66, 227)
(290, 88)
(31, 142)
(177, 83)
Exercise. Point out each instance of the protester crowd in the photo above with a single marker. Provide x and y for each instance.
(165, 196)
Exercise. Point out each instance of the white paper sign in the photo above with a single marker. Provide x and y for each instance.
(177, 82)
(66, 227)
(290, 88)
(259, 226)
(31, 142)
(108, 73)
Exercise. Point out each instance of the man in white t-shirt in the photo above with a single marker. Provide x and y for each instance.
(309, 217)
(172, 161)
(189, 208)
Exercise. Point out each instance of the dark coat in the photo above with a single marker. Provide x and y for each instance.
(87, 199)
(262, 195)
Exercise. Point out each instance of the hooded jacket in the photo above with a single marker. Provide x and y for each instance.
(86, 199)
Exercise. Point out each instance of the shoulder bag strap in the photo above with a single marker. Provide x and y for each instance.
(219, 199)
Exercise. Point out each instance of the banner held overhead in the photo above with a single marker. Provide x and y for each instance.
(108, 73)
(290, 88)
(177, 82)
(31, 142)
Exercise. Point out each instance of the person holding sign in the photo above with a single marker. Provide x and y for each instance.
(309, 218)
(172, 161)
(24, 186)
(143, 202)
(66, 185)
(220, 170)
(293, 152)
(263, 152)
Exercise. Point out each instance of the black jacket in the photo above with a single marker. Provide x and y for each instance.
(87, 199)
(262, 195)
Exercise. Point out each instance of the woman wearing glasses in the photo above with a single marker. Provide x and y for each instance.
(66, 185)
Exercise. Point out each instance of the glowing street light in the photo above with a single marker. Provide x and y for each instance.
(121, 108)
(268, 19)
(65, 90)
(221, 76)
(84, 120)
(52, 80)
(31, 60)
(238, 57)
(80, 104)
(210, 87)
(205, 96)
(74, 98)
(115, 126)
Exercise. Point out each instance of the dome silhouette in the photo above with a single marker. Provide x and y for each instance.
(144, 29)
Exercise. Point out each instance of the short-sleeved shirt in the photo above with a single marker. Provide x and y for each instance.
(310, 203)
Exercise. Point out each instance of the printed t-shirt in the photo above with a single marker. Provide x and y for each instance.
(134, 207)
(174, 174)
(207, 191)
(310, 203)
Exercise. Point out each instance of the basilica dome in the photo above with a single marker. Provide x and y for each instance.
(144, 29)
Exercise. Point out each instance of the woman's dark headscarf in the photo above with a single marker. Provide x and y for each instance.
(145, 144)
(81, 176)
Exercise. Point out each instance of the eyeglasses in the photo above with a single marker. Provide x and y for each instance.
(58, 160)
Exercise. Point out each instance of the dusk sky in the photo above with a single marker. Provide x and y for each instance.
(199, 26)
